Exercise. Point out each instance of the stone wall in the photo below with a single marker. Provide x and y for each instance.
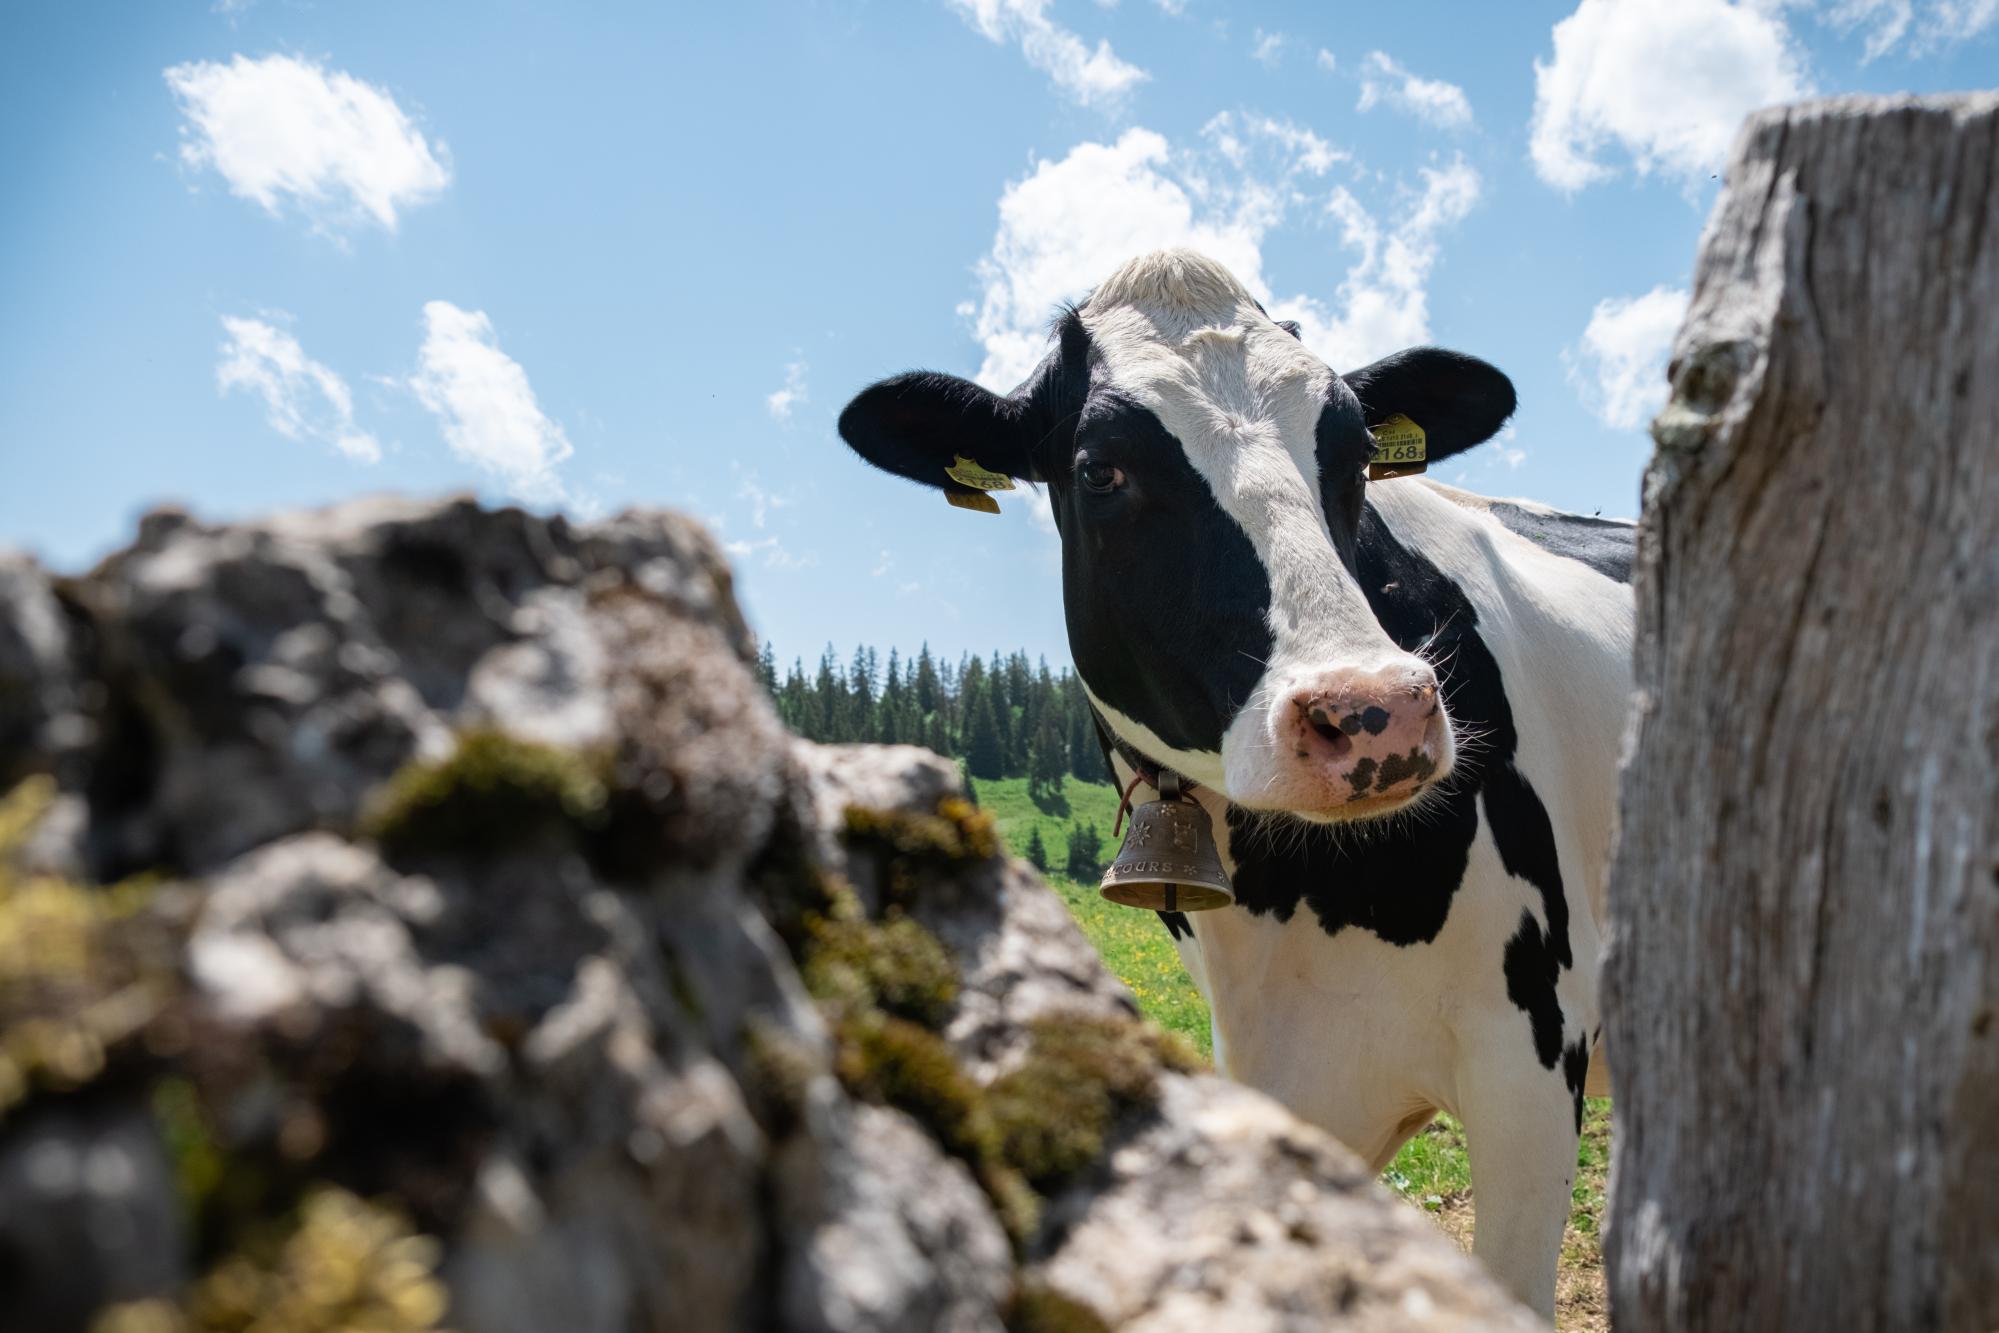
(412, 915)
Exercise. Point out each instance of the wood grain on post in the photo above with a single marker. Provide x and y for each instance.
(1803, 989)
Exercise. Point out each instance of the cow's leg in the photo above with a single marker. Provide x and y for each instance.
(1520, 1127)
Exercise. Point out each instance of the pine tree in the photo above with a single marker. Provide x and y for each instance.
(793, 704)
(830, 703)
(1037, 851)
(767, 668)
(927, 688)
(1086, 854)
(890, 724)
(861, 696)
(985, 749)
(1047, 758)
(1086, 752)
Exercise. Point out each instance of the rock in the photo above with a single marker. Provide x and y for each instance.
(38, 684)
(1227, 1213)
(485, 900)
(88, 1207)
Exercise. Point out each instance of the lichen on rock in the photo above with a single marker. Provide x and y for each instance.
(340, 1264)
(79, 975)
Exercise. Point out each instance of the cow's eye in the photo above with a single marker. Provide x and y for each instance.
(1102, 478)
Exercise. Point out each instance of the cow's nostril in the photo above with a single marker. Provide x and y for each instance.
(1328, 727)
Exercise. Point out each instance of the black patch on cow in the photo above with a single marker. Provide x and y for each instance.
(1458, 400)
(1166, 602)
(1575, 1072)
(1397, 880)
(1177, 925)
(1604, 544)
(1531, 973)
(915, 425)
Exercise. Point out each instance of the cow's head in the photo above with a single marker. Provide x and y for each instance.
(1207, 475)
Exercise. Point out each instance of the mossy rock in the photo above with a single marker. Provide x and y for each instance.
(778, 1069)
(957, 836)
(896, 1063)
(495, 793)
(83, 969)
(896, 966)
(339, 1263)
(1037, 1307)
(1055, 1110)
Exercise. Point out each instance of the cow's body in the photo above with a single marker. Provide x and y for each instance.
(1365, 978)
(1401, 703)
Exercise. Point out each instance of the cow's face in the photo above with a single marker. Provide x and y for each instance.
(1207, 474)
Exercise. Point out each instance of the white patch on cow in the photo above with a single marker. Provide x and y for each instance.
(1181, 337)
(1202, 766)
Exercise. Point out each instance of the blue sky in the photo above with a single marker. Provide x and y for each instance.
(273, 253)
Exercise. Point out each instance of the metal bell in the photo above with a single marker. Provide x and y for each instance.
(1168, 861)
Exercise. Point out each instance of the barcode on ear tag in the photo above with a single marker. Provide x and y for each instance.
(978, 500)
(968, 472)
(1401, 449)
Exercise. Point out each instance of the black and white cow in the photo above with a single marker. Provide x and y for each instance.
(1401, 702)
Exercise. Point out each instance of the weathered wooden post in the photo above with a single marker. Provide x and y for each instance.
(1804, 990)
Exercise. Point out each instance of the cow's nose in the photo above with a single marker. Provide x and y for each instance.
(1374, 737)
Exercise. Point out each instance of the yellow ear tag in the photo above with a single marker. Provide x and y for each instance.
(967, 472)
(978, 500)
(1401, 449)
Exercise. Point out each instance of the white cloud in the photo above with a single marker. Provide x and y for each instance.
(1942, 22)
(1065, 226)
(1173, 7)
(1069, 223)
(775, 554)
(1619, 365)
(1667, 83)
(303, 399)
(281, 129)
(1383, 302)
(1236, 136)
(1091, 77)
(485, 406)
(1269, 47)
(1326, 60)
(1433, 100)
(762, 502)
(793, 393)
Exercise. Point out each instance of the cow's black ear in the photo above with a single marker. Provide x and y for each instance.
(920, 424)
(1458, 400)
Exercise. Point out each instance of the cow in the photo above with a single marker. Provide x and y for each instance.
(1401, 704)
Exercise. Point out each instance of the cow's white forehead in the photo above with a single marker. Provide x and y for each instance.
(1176, 330)
(1177, 334)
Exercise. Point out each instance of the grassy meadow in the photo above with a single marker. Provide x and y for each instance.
(1431, 1171)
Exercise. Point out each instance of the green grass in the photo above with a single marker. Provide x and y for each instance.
(1133, 944)
(1432, 1167)
(1432, 1170)
(1017, 815)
